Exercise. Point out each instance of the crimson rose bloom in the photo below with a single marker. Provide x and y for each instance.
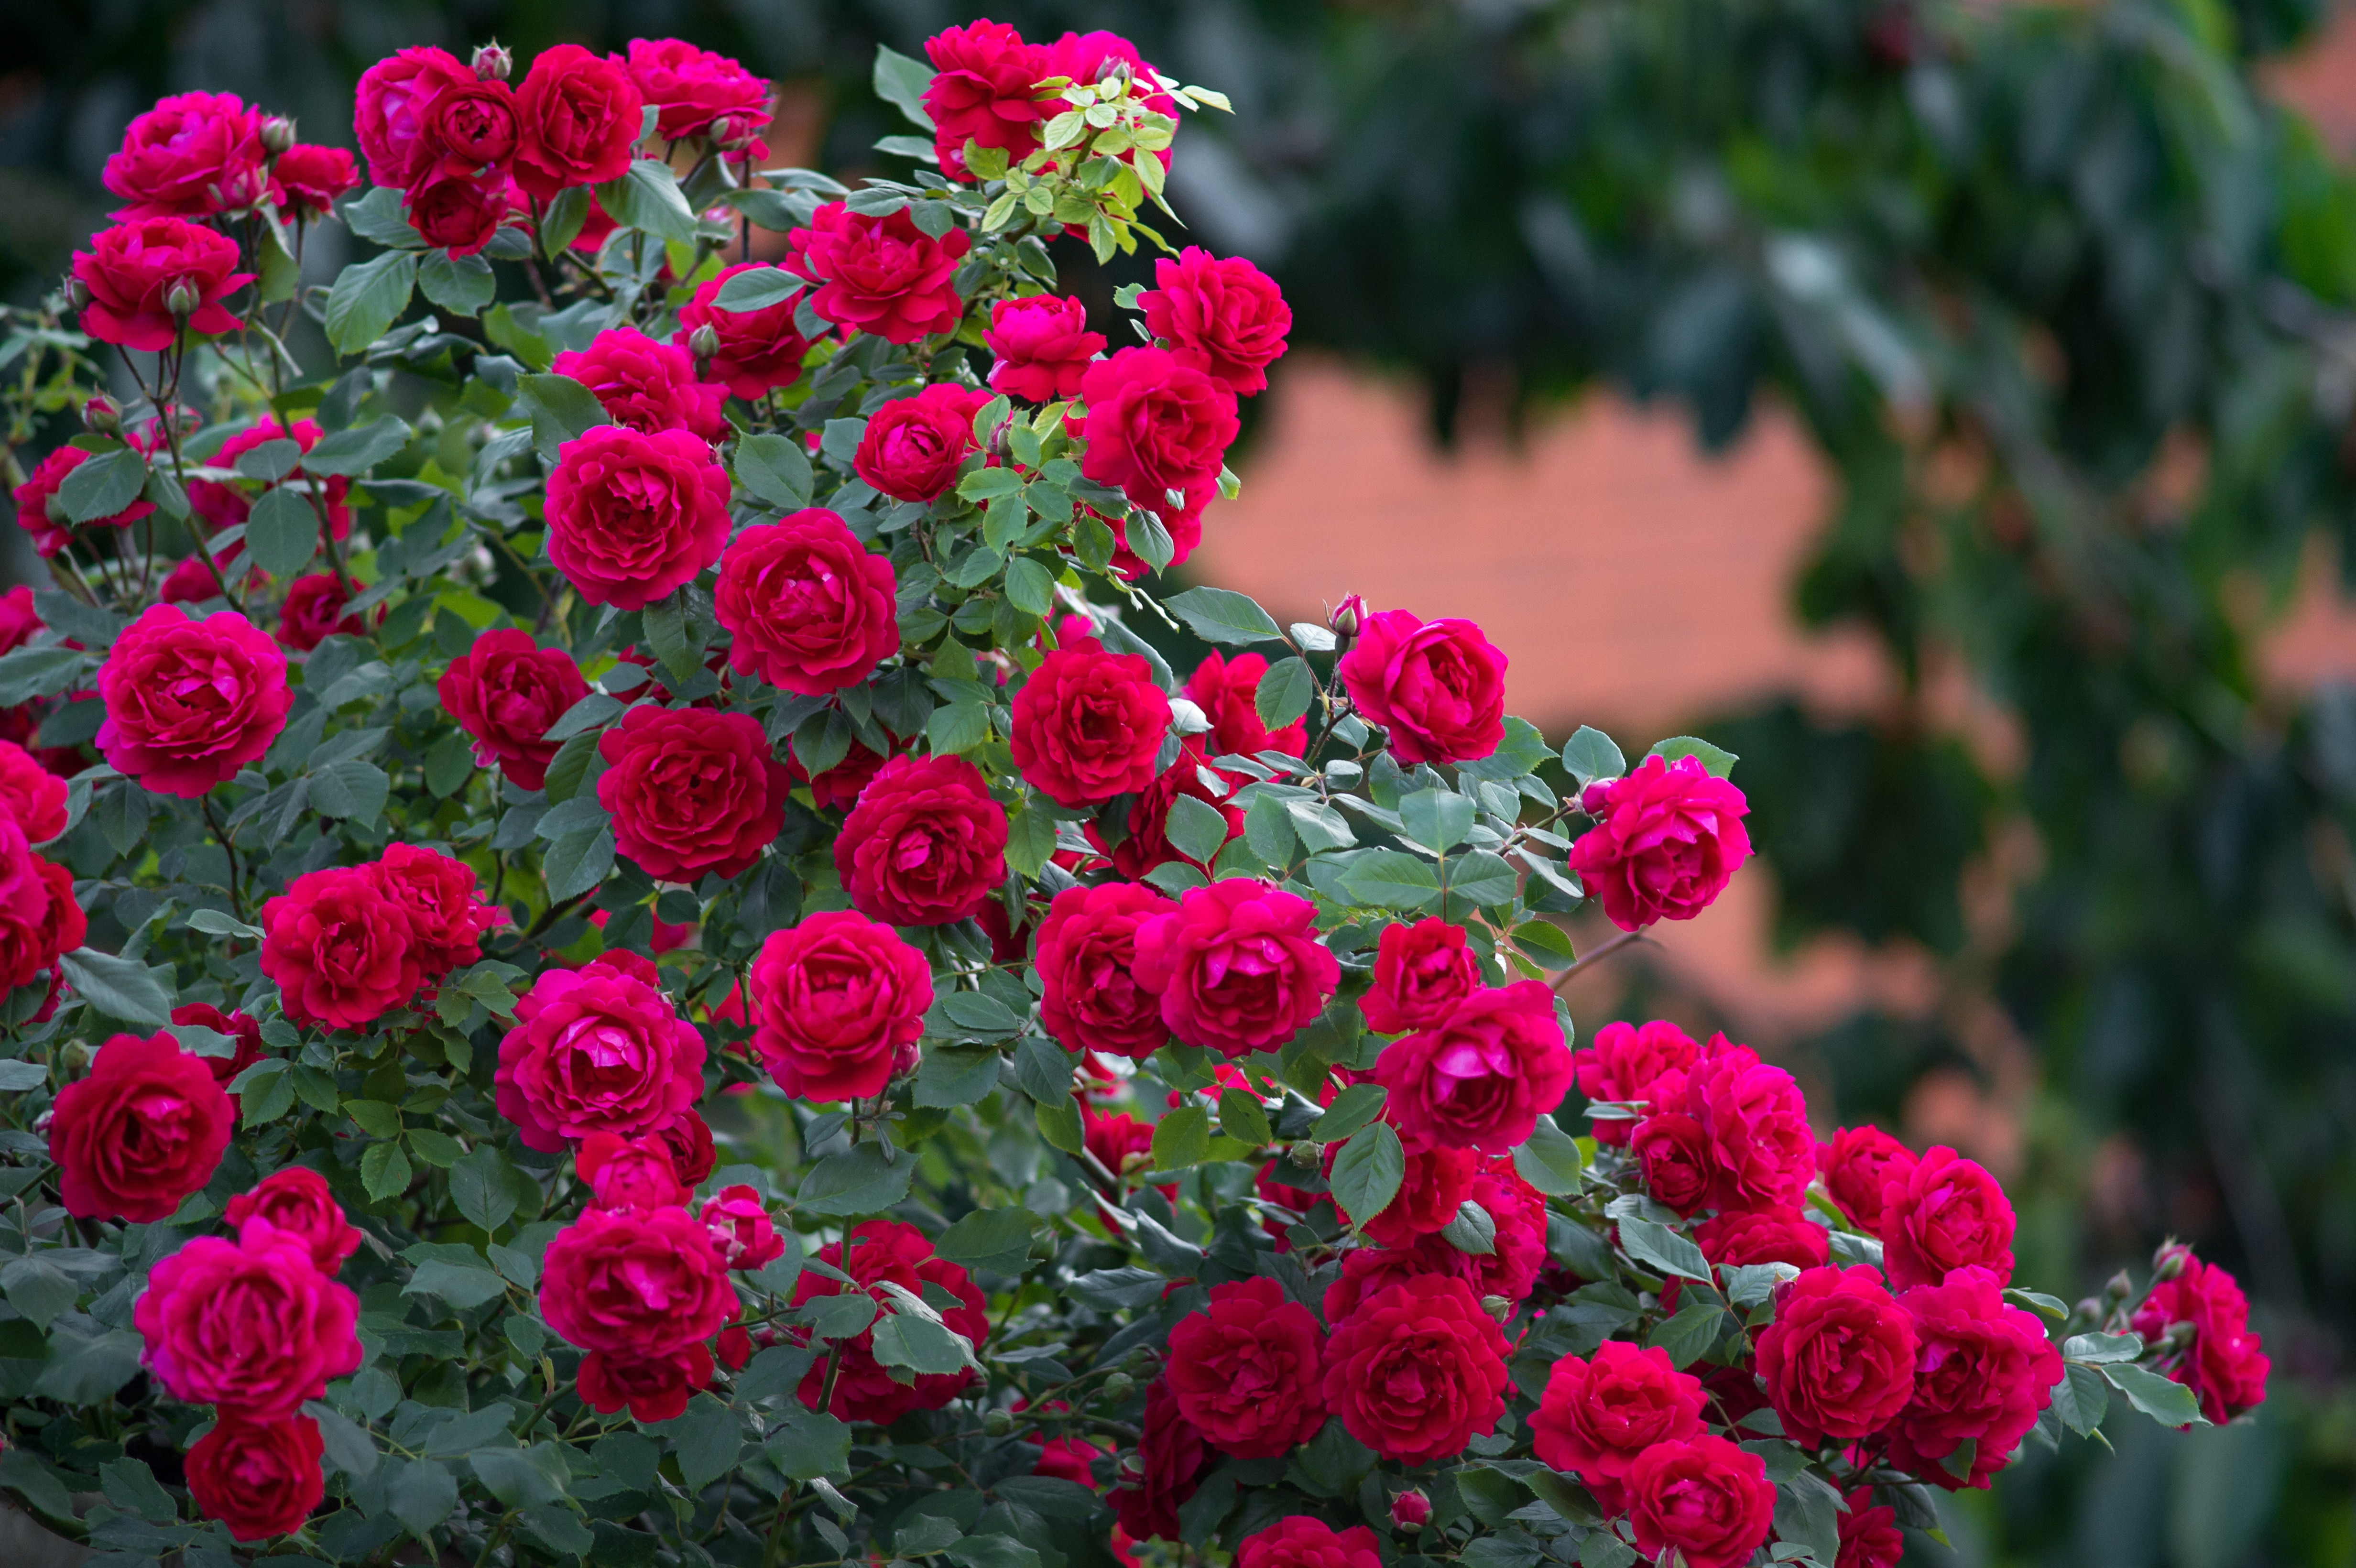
(30, 793)
(1088, 999)
(630, 1173)
(141, 1133)
(308, 178)
(1665, 841)
(1761, 1152)
(1367, 1271)
(651, 1388)
(389, 112)
(1705, 1497)
(1625, 1062)
(1237, 965)
(250, 1327)
(1480, 1079)
(691, 791)
(1764, 1236)
(131, 268)
(1943, 1213)
(313, 611)
(1088, 725)
(190, 702)
(193, 155)
(1148, 844)
(505, 692)
(741, 1230)
(1857, 1165)
(645, 385)
(913, 445)
(1410, 1508)
(596, 1050)
(1043, 345)
(462, 216)
(50, 535)
(1157, 424)
(260, 1478)
(342, 953)
(635, 1283)
(244, 1031)
(1438, 687)
(838, 1001)
(808, 608)
(469, 131)
(689, 1142)
(691, 87)
(883, 275)
(1244, 1370)
(926, 845)
(576, 120)
(1673, 1151)
(759, 349)
(1146, 1504)
(1227, 311)
(34, 930)
(1418, 1371)
(838, 788)
(1519, 1212)
(1301, 1541)
(1983, 1372)
(1839, 1359)
(865, 1390)
(1117, 1138)
(297, 1202)
(981, 93)
(438, 894)
(1598, 1416)
(1869, 1536)
(2225, 1364)
(1227, 690)
(1422, 972)
(632, 516)
(1437, 1182)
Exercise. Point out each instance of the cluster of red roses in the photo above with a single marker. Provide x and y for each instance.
(39, 917)
(348, 943)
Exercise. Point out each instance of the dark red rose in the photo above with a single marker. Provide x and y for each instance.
(1625, 1062)
(926, 845)
(1437, 1183)
(1742, 1236)
(651, 1387)
(1665, 841)
(646, 385)
(632, 517)
(981, 92)
(49, 534)
(837, 789)
(297, 1202)
(1983, 1372)
(308, 178)
(1070, 1459)
(245, 1034)
(577, 119)
(437, 893)
(1438, 687)
(883, 275)
(130, 269)
(1148, 842)
(1869, 1537)
(18, 619)
(880, 1250)
(342, 953)
(141, 1132)
(838, 1001)
(1043, 345)
(634, 1283)
(1839, 1359)
(1227, 691)
(1156, 424)
(809, 608)
(1174, 1458)
(1088, 999)
(759, 349)
(32, 795)
(192, 155)
(1599, 1415)
(1301, 1541)
(912, 446)
(1245, 1370)
(692, 1150)
(1116, 1139)
(313, 611)
(462, 216)
(505, 692)
(1481, 1078)
(691, 791)
(1943, 1213)
(1088, 725)
(691, 87)
(1704, 1497)
(1224, 310)
(390, 112)
(2224, 1363)
(468, 130)
(1673, 1151)
(1761, 1152)
(1857, 1165)
(34, 930)
(630, 1173)
(1367, 1271)
(1418, 1371)
(1422, 972)
(260, 1479)
(735, 1348)
(1237, 965)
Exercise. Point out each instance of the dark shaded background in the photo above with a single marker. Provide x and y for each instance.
(1999, 260)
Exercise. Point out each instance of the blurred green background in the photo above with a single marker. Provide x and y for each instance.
(2062, 298)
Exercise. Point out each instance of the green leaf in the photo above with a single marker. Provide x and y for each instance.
(2096, 1348)
(1353, 1108)
(1717, 760)
(773, 468)
(420, 1492)
(1148, 540)
(87, 1370)
(1242, 1117)
(359, 449)
(101, 486)
(1195, 828)
(1521, 751)
(1285, 692)
(996, 1239)
(1029, 586)
(1029, 839)
(522, 1477)
(1550, 1161)
(460, 1286)
(1691, 1332)
(807, 1444)
(647, 198)
(1268, 830)
(667, 634)
(2165, 1401)
(561, 220)
(482, 1184)
(460, 283)
(758, 289)
(1182, 1138)
(1481, 879)
(1471, 1231)
(992, 1552)
(1390, 878)
(351, 788)
(120, 989)
(282, 532)
(1591, 754)
(1807, 1513)
(37, 1289)
(561, 410)
(2081, 1398)
(958, 727)
(856, 1182)
(368, 298)
(1367, 1172)
(1222, 615)
(384, 1170)
(1061, 1127)
(1663, 1251)
(924, 1347)
(706, 1440)
(949, 1076)
(902, 81)
(1438, 819)
(349, 1447)
(578, 862)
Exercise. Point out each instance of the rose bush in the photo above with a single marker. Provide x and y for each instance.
(713, 994)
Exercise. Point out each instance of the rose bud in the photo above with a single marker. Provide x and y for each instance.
(101, 416)
(277, 134)
(2167, 1263)
(1348, 616)
(723, 130)
(1411, 1511)
(997, 1423)
(1497, 1306)
(182, 300)
(1119, 1386)
(1305, 1154)
(703, 343)
(493, 62)
(77, 293)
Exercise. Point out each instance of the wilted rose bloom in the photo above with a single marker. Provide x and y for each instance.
(1665, 841)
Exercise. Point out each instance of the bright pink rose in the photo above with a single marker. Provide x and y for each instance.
(646, 385)
(1089, 999)
(1043, 345)
(1301, 1541)
(50, 535)
(810, 608)
(1625, 1063)
(597, 1049)
(1667, 838)
(1174, 1457)
(926, 845)
(883, 275)
(691, 87)
(632, 517)
(1943, 1213)
(1437, 1183)
(651, 1387)
(1226, 311)
(692, 1150)
(36, 924)
(1088, 725)
(1983, 1372)
(1481, 1078)
(1761, 1153)
(1869, 1537)
(462, 216)
(1704, 1497)
(308, 179)
(634, 1283)
(865, 1390)
(250, 1327)
(132, 268)
(630, 1173)
(838, 1001)
(1742, 1236)
(1226, 691)
(691, 791)
(260, 1478)
(2225, 1363)
(389, 109)
(1600, 1415)
(192, 155)
(1245, 1370)
(1839, 1359)
(741, 1230)
(343, 953)
(1148, 842)
(1418, 1371)
(981, 92)
(437, 893)
(1156, 424)
(189, 703)
(913, 445)
(295, 1202)
(1421, 973)
(1237, 965)
(505, 692)
(759, 349)
(313, 611)
(143, 1130)
(1437, 686)
(577, 120)
(30, 793)
(1857, 1165)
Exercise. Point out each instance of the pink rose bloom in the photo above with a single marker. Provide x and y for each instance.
(633, 516)
(1665, 841)
(390, 108)
(251, 1327)
(2225, 1363)
(651, 1388)
(1298, 1540)
(1237, 965)
(1984, 1369)
(691, 87)
(838, 1001)
(1704, 1497)
(981, 92)
(144, 1128)
(1422, 972)
(1857, 1165)
(130, 270)
(646, 385)
(1944, 1214)
(1481, 1078)
(741, 1230)
(1625, 1063)
(192, 155)
(308, 179)
(462, 216)
(1088, 725)
(597, 1049)
(1437, 1183)
(634, 1283)
(1042, 347)
(1226, 311)
(630, 1173)
(883, 275)
(1418, 1371)
(1438, 687)
(295, 1202)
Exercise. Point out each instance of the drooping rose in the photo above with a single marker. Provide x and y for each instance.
(645, 385)
(1481, 1078)
(1173, 1460)
(1245, 1369)
(1089, 999)
(1421, 973)
(505, 692)
(883, 275)
(1146, 844)
(597, 1049)
(189, 703)
(2225, 1364)
(143, 1130)
(1418, 1371)
(1665, 841)
(260, 1478)
(1943, 1213)
(1088, 725)
(632, 517)
(1298, 1540)
(577, 117)
(1742, 1236)
(926, 845)
(837, 1001)
(1223, 309)
(912, 446)
(1857, 1165)
(691, 87)
(759, 349)
(691, 792)
(1438, 687)
(32, 498)
(250, 1327)
(192, 155)
(1983, 1372)
(630, 1173)
(1839, 1359)
(342, 953)
(1704, 1497)
(1237, 965)
(310, 178)
(1156, 424)
(132, 268)
(437, 893)
(880, 1251)
(809, 608)
(651, 1387)
(1599, 1414)
(634, 1283)
(1042, 347)
(981, 91)
(297, 1202)
(1227, 691)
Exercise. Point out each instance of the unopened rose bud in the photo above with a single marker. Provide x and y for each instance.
(1497, 1306)
(997, 1423)
(1304, 1155)
(41, 1122)
(703, 343)
(1119, 1386)
(1411, 1511)
(2168, 1262)
(277, 135)
(493, 63)
(77, 293)
(722, 130)
(100, 416)
(2090, 1307)
(2119, 1286)
(182, 300)
(1131, 1463)
(1348, 617)
(2178, 1335)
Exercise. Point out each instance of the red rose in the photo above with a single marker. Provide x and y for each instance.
(630, 1173)
(1667, 838)
(759, 349)
(297, 1202)
(1156, 424)
(1173, 1459)
(912, 446)
(651, 1388)
(30, 793)
(390, 108)
(1089, 998)
(249, 1327)
(1418, 1371)
(1227, 691)
(1704, 1497)
(1869, 1537)
(189, 703)
(1481, 1079)
(260, 1478)
(1983, 1372)
(1857, 1165)
(597, 1049)
(631, 516)
(141, 1132)
(1944, 1212)
(1227, 311)
(1422, 972)
(1437, 1183)
(883, 275)
(634, 1283)
(1244, 1370)
(1117, 1138)
(130, 269)
(1043, 345)
(438, 895)
(1237, 965)
(740, 1229)
(460, 216)
(342, 953)
(1744, 1236)
(469, 130)
(926, 845)
(645, 385)
(1148, 842)
(981, 92)
(837, 999)
(225, 505)
(1518, 1251)
(505, 692)
(880, 1250)
(245, 1033)
(1761, 1152)
(2225, 1364)
(810, 609)
(735, 1348)
(1089, 57)
(193, 155)
(1599, 1416)
(691, 87)
(1839, 1359)
(839, 787)
(1088, 725)
(1438, 687)
(689, 1142)
(691, 791)
(308, 179)
(1301, 1541)
(1070, 1459)
(313, 611)
(18, 619)
(1673, 1151)
(1411, 1511)
(50, 535)
(41, 921)
(577, 119)
(1625, 1063)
